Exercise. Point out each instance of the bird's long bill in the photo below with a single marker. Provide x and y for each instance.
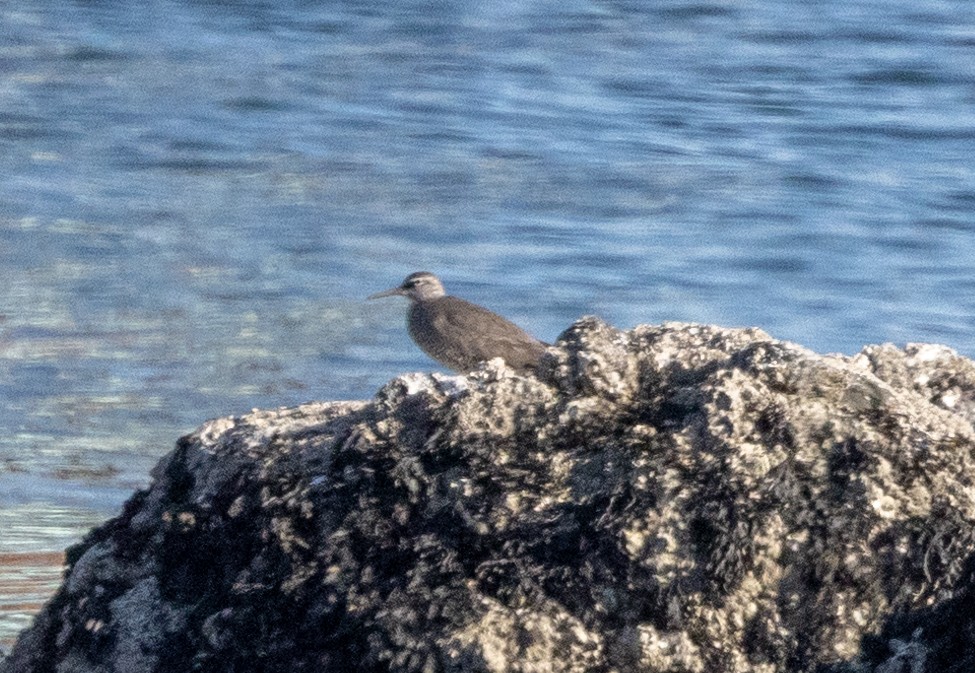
(386, 293)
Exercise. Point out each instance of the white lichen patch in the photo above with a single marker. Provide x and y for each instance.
(542, 640)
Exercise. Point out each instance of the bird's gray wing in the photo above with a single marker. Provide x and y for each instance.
(488, 335)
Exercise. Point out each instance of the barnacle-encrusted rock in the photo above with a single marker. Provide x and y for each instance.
(672, 498)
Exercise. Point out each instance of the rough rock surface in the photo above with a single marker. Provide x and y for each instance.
(673, 498)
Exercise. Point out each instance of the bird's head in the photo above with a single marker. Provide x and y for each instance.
(419, 286)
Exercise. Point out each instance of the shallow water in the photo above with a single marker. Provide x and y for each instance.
(198, 196)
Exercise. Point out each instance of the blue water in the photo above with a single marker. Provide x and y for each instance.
(197, 196)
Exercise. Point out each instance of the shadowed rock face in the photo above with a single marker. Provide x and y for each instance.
(674, 498)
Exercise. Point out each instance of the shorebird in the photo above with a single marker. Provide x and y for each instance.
(459, 334)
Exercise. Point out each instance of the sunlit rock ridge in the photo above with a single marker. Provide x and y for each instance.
(670, 498)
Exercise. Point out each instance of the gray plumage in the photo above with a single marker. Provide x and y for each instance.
(459, 334)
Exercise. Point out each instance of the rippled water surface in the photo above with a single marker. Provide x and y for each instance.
(197, 196)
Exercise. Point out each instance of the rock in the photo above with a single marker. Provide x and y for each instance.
(672, 498)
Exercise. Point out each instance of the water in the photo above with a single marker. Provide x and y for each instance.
(197, 196)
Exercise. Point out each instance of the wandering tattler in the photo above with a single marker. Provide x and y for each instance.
(459, 334)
